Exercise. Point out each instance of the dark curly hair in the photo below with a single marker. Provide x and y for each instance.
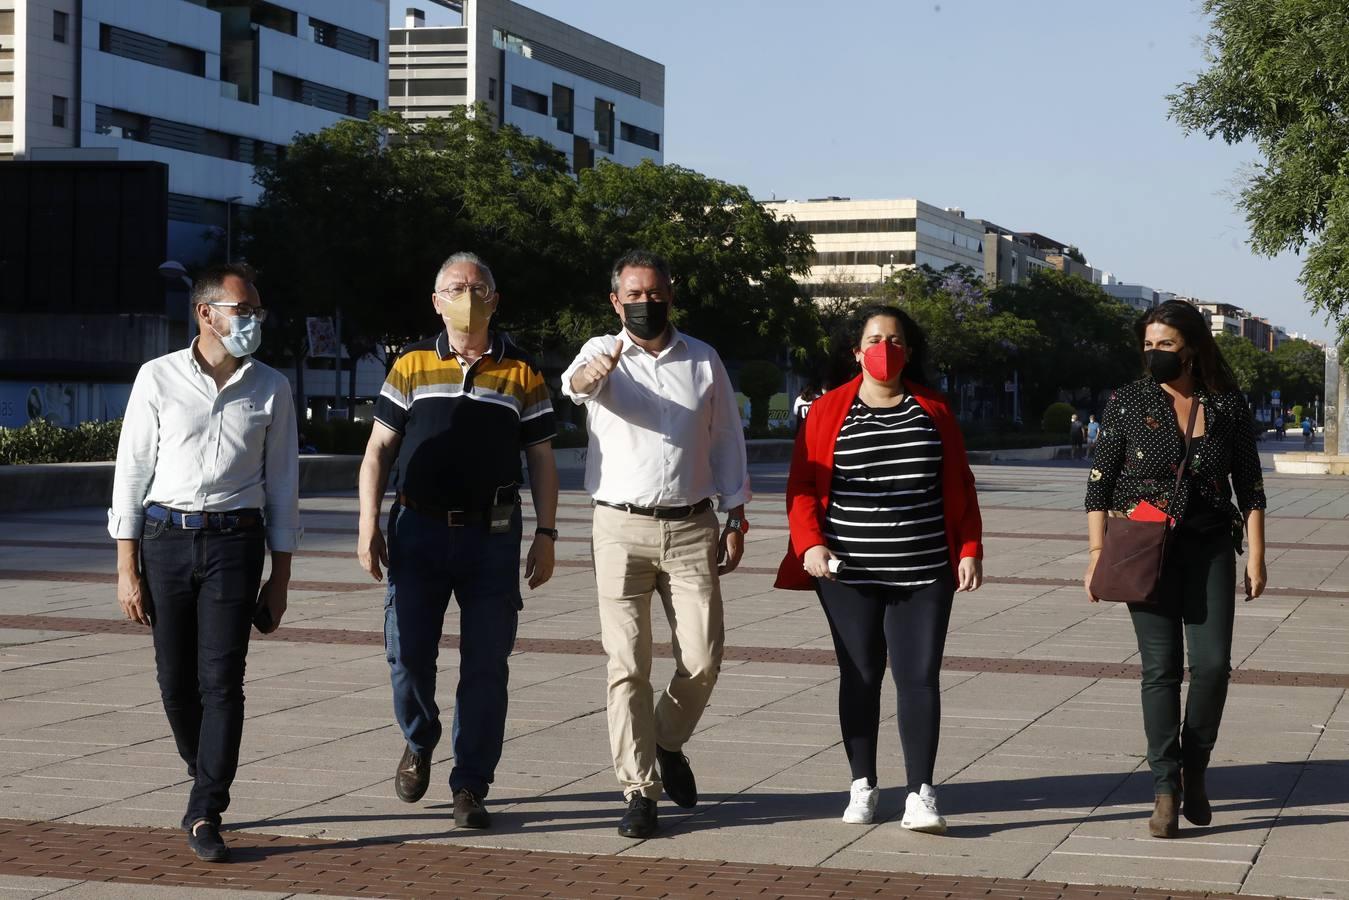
(1210, 369)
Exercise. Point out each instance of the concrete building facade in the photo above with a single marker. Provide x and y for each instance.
(591, 99)
(1139, 296)
(208, 87)
(860, 242)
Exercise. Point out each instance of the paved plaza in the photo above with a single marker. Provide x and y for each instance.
(1041, 765)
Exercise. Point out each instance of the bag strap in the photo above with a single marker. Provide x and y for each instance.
(1189, 434)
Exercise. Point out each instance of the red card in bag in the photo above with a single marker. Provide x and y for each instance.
(1146, 512)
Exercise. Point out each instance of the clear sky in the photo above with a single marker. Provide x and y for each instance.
(1039, 116)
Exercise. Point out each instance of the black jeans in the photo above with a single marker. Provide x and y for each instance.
(203, 588)
(865, 620)
(1195, 612)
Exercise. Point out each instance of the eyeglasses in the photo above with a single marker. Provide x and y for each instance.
(243, 311)
(478, 289)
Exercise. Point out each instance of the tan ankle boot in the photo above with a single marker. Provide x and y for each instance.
(1196, 806)
(1165, 821)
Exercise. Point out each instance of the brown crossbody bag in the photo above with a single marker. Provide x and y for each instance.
(1130, 567)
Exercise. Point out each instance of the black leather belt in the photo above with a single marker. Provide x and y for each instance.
(660, 512)
(453, 517)
(204, 521)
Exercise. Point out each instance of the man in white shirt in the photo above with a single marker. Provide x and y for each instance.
(207, 473)
(665, 438)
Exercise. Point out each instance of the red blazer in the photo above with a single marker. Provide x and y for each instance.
(813, 470)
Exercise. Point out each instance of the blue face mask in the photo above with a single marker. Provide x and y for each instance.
(244, 338)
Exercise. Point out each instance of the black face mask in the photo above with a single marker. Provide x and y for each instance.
(645, 319)
(1164, 366)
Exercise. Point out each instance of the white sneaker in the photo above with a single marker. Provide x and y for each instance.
(862, 799)
(920, 812)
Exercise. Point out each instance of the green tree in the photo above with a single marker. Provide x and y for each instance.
(1276, 77)
(1301, 371)
(1087, 336)
(733, 261)
(1256, 371)
(760, 380)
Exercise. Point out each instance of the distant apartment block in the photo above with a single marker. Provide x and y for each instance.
(860, 242)
(1139, 296)
(591, 99)
(208, 87)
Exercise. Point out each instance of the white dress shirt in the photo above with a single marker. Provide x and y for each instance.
(664, 428)
(187, 446)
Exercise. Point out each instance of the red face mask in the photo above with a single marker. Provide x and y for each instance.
(884, 361)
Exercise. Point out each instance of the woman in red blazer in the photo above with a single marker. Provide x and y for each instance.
(885, 528)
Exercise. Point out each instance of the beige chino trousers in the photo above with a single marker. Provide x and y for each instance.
(676, 558)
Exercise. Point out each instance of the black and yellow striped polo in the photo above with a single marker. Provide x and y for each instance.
(463, 429)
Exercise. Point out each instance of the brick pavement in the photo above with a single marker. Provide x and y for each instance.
(1041, 769)
(153, 856)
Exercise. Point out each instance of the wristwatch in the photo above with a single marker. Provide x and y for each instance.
(740, 525)
(551, 532)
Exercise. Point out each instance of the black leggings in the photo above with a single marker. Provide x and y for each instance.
(864, 620)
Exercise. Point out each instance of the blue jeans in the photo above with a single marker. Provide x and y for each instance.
(203, 587)
(429, 561)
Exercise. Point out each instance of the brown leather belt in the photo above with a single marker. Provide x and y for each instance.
(661, 512)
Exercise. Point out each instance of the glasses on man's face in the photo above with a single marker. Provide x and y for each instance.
(478, 289)
(243, 311)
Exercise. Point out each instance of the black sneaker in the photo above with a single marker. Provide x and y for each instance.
(469, 811)
(677, 777)
(640, 819)
(204, 839)
(412, 777)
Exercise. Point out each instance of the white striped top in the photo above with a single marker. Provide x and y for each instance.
(885, 518)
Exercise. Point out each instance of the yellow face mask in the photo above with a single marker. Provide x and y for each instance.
(466, 312)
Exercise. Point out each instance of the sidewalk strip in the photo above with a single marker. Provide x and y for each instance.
(801, 656)
(375, 868)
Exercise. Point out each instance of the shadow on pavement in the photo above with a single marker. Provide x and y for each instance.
(1241, 789)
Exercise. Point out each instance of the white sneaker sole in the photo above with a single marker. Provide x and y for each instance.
(852, 818)
(937, 827)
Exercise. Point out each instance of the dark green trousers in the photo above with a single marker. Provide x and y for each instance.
(1195, 613)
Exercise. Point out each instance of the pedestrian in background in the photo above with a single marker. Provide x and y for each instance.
(665, 439)
(1093, 433)
(801, 405)
(207, 480)
(885, 527)
(456, 412)
(1077, 436)
(1140, 452)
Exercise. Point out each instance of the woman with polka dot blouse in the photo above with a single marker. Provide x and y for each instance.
(1140, 450)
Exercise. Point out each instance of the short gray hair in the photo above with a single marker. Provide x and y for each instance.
(639, 259)
(465, 256)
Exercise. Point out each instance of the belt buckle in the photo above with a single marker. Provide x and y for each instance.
(188, 519)
(449, 518)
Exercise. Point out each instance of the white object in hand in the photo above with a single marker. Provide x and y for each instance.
(834, 565)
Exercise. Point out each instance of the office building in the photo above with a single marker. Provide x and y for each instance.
(208, 87)
(1010, 257)
(860, 242)
(591, 99)
(1139, 296)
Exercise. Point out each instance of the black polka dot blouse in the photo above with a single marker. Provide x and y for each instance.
(1141, 446)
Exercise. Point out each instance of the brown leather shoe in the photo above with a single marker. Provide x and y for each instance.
(1197, 809)
(412, 777)
(1165, 821)
(469, 811)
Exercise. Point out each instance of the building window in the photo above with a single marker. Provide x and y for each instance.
(58, 112)
(428, 87)
(287, 87)
(564, 99)
(854, 226)
(582, 154)
(344, 39)
(6, 109)
(60, 25)
(297, 90)
(491, 89)
(632, 134)
(152, 50)
(269, 15)
(530, 100)
(864, 258)
(6, 21)
(604, 125)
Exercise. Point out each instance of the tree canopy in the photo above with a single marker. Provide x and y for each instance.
(1301, 371)
(1278, 75)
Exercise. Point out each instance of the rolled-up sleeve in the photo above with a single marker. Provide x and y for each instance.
(137, 453)
(730, 467)
(281, 474)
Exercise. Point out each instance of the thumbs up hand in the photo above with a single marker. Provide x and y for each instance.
(596, 369)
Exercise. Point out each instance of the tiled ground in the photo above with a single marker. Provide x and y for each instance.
(1041, 764)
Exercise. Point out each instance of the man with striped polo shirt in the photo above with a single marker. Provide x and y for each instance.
(455, 413)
